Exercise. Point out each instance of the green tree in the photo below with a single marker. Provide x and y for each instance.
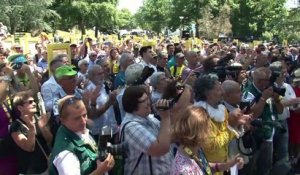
(212, 26)
(104, 16)
(289, 26)
(153, 15)
(27, 15)
(74, 13)
(125, 19)
(252, 18)
(191, 12)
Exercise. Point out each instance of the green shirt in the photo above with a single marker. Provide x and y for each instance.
(85, 152)
(266, 130)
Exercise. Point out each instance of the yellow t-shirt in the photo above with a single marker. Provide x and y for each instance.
(176, 71)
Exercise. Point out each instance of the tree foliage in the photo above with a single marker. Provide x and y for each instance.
(125, 19)
(237, 18)
(27, 15)
(252, 18)
(153, 15)
(104, 16)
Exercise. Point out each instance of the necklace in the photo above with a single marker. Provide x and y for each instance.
(203, 166)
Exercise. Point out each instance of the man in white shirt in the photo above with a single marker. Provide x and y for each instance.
(50, 88)
(105, 115)
(147, 54)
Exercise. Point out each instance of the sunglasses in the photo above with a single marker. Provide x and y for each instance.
(68, 102)
(29, 102)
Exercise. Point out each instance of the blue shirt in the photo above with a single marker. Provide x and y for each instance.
(43, 64)
(139, 135)
(119, 80)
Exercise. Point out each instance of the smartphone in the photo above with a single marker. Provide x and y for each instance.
(244, 105)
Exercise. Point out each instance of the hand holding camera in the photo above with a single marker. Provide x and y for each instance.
(267, 93)
(106, 165)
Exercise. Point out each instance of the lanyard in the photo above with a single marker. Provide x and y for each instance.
(200, 160)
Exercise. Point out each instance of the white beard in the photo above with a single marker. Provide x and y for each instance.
(217, 114)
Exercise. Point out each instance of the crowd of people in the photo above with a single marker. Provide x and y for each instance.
(218, 108)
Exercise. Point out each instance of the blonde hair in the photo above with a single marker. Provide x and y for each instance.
(191, 128)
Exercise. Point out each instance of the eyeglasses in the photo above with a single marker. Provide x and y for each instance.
(29, 102)
(68, 102)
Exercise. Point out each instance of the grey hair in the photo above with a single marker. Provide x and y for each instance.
(60, 57)
(261, 72)
(162, 55)
(191, 54)
(81, 62)
(92, 52)
(276, 66)
(124, 58)
(91, 70)
(132, 73)
(229, 85)
(203, 84)
(154, 78)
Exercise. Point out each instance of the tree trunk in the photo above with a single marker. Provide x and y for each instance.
(12, 25)
(197, 29)
(96, 31)
(81, 27)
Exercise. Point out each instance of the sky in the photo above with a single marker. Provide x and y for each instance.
(291, 3)
(131, 5)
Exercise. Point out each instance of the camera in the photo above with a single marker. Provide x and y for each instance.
(222, 69)
(105, 146)
(17, 66)
(245, 105)
(146, 73)
(278, 90)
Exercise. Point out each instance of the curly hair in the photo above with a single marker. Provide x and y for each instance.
(203, 84)
(192, 127)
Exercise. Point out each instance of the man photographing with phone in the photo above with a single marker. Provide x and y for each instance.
(24, 78)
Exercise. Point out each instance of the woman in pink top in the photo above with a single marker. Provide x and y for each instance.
(190, 132)
(8, 164)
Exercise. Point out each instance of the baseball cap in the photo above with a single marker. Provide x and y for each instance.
(297, 75)
(179, 55)
(17, 58)
(64, 70)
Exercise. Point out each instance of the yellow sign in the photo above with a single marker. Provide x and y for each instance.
(55, 49)
(256, 43)
(285, 43)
